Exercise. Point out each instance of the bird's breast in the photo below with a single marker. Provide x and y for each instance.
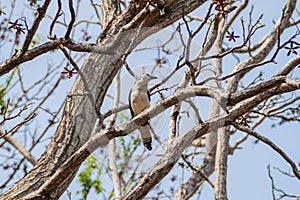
(139, 102)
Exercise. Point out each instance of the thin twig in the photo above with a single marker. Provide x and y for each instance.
(57, 15)
(70, 26)
(85, 83)
(270, 144)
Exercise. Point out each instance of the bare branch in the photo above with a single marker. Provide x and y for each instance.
(18, 59)
(71, 23)
(289, 66)
(270, 144)
(6, 118)
(112, 144)
(176, 109)
(85, 83)
(21, 149)
(172, 155)
(58, 13)
(129, 69)
(31, 32)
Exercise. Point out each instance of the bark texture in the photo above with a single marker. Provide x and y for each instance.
(72, 144)
(79, 116)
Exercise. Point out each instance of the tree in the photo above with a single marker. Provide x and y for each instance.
(86, 124)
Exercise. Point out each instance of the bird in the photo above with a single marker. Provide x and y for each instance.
(139, 100)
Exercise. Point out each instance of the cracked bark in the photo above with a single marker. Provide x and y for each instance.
(222, 138)
(77, 121)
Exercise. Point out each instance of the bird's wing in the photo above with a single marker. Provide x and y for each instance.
(148, 93)
(129, 100)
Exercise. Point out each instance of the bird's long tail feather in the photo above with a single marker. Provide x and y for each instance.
(146, 136)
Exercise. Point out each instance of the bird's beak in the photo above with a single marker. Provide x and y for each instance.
(153, 77)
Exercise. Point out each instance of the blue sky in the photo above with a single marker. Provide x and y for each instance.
(247, 172)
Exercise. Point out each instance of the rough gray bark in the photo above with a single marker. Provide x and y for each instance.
(112, 144)
(70, 145)
(221, 165)
(178, 146)
(77, 121)
(222, 138)
(167, 162)
(190, 187)
(265, 47)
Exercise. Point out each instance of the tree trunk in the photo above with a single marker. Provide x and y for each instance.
(79, 116)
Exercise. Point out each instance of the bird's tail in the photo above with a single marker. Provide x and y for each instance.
(146, 136)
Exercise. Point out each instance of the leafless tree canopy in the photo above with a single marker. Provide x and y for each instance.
(66, 69)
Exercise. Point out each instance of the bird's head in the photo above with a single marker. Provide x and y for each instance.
(145, 78)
